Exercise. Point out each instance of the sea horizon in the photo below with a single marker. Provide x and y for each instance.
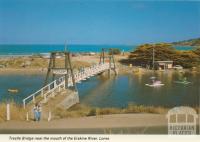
(32, 49)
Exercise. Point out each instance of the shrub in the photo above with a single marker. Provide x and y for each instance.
(92, 112)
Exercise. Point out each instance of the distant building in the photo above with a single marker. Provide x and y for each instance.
(163, 65)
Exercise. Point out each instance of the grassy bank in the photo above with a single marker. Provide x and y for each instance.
(19, 113)
(82, 110)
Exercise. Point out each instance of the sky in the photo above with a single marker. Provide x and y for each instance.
(97, 21)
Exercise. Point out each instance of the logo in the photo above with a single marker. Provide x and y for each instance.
(182, 121)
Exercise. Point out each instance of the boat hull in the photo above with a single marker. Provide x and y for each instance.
(154, 85)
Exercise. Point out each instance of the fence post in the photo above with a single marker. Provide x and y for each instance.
(27, 118)
(42, 93)
(54, 84)
(49, 118)
(8, 112)
(24, 104)
(33, 98)
(45, 98)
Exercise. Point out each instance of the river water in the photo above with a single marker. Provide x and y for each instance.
(117, 91)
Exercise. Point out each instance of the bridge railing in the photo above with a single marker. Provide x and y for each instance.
(56, 84)
(45, 90)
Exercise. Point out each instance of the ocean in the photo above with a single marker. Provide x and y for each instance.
(12, 50)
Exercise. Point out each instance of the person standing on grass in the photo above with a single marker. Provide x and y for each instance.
(35, 111)
(39, 111)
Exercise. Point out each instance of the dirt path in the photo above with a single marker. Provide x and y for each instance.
(111, 121)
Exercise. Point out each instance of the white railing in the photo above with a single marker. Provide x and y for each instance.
(44, 91)
(50, 88)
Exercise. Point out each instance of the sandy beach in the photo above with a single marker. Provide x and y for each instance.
(36, 65)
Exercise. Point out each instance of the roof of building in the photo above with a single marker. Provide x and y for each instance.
(164, 61)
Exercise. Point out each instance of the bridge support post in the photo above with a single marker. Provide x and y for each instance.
(109, 70)
(54, 64)
(67, 67)
(111, 60)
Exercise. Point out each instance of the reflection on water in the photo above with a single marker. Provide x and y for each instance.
(116, 91)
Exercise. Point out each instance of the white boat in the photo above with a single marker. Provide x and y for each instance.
(155, 84)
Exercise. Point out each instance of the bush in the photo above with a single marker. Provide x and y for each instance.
(92, 112)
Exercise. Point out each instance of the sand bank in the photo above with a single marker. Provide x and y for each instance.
(21, 71)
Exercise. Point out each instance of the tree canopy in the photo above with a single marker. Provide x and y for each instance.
(143, 55)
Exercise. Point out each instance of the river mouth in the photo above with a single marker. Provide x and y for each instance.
(116, 91)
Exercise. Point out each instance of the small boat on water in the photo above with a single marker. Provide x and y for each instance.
(13, 90)
(154, 82)
(183, 82)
